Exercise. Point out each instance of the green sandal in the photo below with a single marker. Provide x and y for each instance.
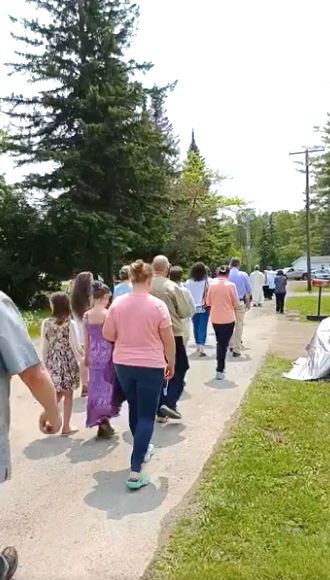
(138, 483)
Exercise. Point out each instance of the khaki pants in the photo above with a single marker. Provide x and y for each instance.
(186, 325)
(236, 341)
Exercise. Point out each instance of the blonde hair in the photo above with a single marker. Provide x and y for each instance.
(140, 272)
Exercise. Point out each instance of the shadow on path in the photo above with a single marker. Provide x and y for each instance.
(77, 450)
(111, 496)
(221, 385)
(165, 435)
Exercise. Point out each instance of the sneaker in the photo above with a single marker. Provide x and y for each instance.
(160, 419)
(150, 452)
(236, 354)
(171, 413)
(220, 376)
(8, 563)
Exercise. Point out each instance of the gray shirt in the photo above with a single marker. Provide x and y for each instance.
(17, 354)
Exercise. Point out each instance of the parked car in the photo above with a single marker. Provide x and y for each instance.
(321, 274)
(293, 274)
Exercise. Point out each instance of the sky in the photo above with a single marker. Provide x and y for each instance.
(253, 80)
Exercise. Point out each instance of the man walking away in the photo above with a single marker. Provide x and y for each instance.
(18, 357)
(243, 287)
(280, 291)
(223, 301)
(271, 282)
(257, 281)
(176, 276)
(179, 308)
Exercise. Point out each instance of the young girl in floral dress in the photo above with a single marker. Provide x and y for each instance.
(81, 301)
(62, 355)
(102, 387)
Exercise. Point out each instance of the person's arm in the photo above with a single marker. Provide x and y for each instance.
(208, 299)
(167, 338)
(20, 358)
(190, 301)
(75, 346)
(44, 342)
(234, 296)
(85, 340)
(248, 292)
(109, 328)
(183, 306)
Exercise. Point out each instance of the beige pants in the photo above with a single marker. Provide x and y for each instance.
(186, 326)
(236, 341)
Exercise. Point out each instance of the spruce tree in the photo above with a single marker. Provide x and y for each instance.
(321, 192)
(89, 119)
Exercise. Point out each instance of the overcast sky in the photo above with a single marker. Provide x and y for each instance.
(253, 80)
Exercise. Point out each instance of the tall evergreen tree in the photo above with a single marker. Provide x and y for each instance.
(90, 120)
(193, 146)
(321, 192)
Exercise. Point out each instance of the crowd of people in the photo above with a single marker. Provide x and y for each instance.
(131, 346)
(265, 285)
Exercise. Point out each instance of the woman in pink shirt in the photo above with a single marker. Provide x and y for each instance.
(144, 353)
(222, 299)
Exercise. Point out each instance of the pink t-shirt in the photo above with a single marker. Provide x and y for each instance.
(222, 298)
(136, 320)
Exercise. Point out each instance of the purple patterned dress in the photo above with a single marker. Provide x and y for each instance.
(105, 396)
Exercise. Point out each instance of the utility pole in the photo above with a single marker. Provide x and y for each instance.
(306, 152)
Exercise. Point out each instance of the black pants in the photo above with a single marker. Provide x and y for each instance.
(265, 291)
(176, 384)
(280, 298)
(223, 334)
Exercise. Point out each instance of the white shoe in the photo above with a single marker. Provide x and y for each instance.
(150, 452)
(220, 376)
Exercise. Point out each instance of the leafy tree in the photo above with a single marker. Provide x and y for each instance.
(90, 123)
(321, 192)
(269, 243)
(198, 223)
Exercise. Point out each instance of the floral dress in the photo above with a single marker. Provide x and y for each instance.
(60, 352)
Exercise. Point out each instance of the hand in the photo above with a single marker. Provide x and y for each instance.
(169, 372)
(50, 424)
(86, 361)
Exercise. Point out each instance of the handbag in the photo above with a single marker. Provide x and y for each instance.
(203, 307)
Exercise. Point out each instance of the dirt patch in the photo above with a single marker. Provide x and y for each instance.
(291, 338)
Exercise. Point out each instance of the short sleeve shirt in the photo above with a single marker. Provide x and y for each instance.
(17, 354)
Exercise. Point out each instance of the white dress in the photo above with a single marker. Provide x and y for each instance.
(257, 281)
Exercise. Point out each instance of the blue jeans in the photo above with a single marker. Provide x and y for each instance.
(142, 387)
(200, 321)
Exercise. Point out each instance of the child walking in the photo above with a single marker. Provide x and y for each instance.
(98, 359)
(81, 301)
(62, 355)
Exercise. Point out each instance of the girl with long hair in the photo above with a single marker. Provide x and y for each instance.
(81, 302)
(62, 354)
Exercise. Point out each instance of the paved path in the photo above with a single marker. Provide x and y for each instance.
(66, 508)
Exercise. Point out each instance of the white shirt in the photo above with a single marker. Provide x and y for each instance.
(271, 278)
(197, 290)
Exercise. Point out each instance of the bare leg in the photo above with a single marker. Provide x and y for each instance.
(67, 412)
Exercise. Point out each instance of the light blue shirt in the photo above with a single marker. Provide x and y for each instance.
(122, 289)
(241, 281)
(17, 354)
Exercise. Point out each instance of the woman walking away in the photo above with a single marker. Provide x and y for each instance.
(98, 359)
(198, 284)
(280, 291)
(144, 352)
(222, 298)
(62, 354)
(81, 301)
(125, 286)
(257, 281)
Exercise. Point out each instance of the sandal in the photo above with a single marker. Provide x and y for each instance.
(135, 484)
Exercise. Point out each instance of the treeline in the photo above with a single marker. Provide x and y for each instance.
(107, 185)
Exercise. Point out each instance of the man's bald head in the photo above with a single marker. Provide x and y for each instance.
(161, 265)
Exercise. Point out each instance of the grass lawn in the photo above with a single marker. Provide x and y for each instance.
(303, 288)
(33, 320)
(308, 305)
(262, 511)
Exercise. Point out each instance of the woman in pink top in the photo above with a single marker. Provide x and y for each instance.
(140, 326)
(222, 299)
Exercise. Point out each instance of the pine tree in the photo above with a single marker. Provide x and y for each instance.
(90, 121)
(269, 243)
(193, 146)
(321, 192)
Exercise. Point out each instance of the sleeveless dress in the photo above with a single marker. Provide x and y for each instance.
(60, 361)
(104, 392)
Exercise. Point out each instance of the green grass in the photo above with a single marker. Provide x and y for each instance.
(262, 511)
(308, 305)
(303, 288)
(33, 320)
